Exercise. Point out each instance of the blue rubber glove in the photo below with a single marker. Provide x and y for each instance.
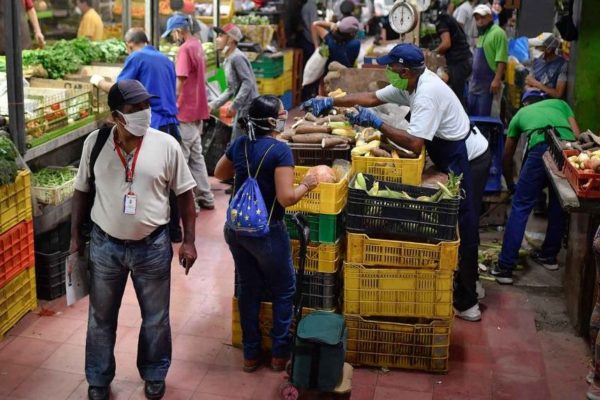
(365, 117)
(318, 106)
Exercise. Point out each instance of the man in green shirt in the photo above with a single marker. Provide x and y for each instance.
(531, 120)
(489, 62)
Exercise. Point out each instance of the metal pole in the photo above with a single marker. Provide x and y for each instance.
(217, 13)
(126, 15)
(152, 22)
(14, 72)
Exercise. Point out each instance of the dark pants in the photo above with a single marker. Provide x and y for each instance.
(264, 264)
(480, 171)
(480, 104)
(595, 319)
(532, 180)
(308, 48)
(458, 74)
(149, 262)
(174, 227)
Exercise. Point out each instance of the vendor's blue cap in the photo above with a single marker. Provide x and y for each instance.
(406, 54)
(530, 94)
(175, 22)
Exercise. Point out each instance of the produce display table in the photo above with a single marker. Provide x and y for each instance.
(60, 141)
(580, 270)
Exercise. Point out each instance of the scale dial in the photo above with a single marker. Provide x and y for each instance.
(403, 17)
(423, 5)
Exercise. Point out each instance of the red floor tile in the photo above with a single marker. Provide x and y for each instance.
(561, 389)
(27, 351)
(230, 383)
(78, 336)
(48, 385)
(406, 380)
(126, 369)
(127, 339)
(186, 375)
(388, 393)
(78, 310)
(12, 376)
(511, 338)
(170, 394)
(518, 362)
(229, 356)
(360, 392)
(192, 348)
(207, 325)
(67, 358)
(270, 386)
(476, 384)
(365, 377)
(510, 387)
(470, 333)
(208, 396)
(130, 315)
(505, 297)
(53, 329)
(466, 353)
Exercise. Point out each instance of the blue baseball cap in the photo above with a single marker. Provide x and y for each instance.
(176, 21)
(529, 94)
(406, 54)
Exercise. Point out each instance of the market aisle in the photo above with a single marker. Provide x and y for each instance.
(504, 357)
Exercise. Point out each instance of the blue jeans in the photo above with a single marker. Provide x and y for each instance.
(480, 104)
(264, 263)
(532, 181)
(149, 262)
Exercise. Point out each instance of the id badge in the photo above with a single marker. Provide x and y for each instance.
(129, 203)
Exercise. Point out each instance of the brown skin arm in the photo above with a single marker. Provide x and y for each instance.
(105, 85)
(574, 127)
(555, 93)
(319, 30)
(187, 251)
(224, 169)
(402, 138)
(179, 85)
(510, 146)
(497, 82)
(78, 211)
(446, 43)
(365, 99)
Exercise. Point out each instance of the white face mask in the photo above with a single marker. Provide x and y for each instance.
(137, 123)
(280, 125)
(77, 10)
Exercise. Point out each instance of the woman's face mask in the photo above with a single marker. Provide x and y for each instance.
(137, 123)
(395, 79)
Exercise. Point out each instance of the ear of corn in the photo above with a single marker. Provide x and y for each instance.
(361, 150)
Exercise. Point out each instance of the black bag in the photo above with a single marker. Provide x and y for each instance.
(566, 27)
(215, 138)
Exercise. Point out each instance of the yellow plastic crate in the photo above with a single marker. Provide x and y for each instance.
(17, 298)
(265, 323)
(361, 249)
(321, 258)
(275, 86)
(409, 344)
(326, 198)
(288, 60)
(391, 292)
(400, 170)
(15, 201)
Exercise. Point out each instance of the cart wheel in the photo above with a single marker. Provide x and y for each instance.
(289, 392)
(288, 368)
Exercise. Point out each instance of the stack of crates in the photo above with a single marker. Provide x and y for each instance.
(398, 276)
(17, 271)
(274, 76)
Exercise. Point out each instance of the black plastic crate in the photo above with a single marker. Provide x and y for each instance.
(51, 292)
(309, 155)
(320, 290)
(555, 147)
(397, 219)
(50, 274)
(55, 240)
(493, 130)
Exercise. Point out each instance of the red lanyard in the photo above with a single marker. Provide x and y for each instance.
(129, 171)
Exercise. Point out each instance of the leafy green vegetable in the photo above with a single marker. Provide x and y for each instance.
(53, 177)
(251, 19)
(8, 165)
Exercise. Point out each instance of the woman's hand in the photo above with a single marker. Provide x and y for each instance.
(310, 181)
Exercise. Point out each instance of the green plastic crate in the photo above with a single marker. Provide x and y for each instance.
(267, 67)
(324, 228)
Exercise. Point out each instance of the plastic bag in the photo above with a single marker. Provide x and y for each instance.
(77, 279)
(519, 48)
(314, 69)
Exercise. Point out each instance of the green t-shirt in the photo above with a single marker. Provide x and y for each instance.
(495, 46)
(532, 119)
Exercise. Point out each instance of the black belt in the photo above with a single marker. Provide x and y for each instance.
(122, 242)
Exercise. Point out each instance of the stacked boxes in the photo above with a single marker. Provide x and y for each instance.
(398, 275)
(274, 76)
(17, 272)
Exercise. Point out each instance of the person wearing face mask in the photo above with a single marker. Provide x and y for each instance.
(191, 102)
(135, 167)
(489, 63)
(157, 73)
(241, 82)
(548, 71)
(91, 25)
(440, 124)
(265, 262)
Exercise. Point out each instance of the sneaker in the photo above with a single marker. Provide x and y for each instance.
(503, 276)
(480, 290)
(549, 263)
(278, 364)
(472, 314)
(206, 205)
(251, 365)
(593, 392)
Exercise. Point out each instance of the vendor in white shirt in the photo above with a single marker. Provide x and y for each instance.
(438, 122)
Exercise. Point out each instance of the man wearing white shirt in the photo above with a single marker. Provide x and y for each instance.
(464, 16)
(439, 123)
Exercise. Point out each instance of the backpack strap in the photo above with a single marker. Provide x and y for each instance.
(101, 140)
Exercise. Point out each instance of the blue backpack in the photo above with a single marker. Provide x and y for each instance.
(247, 213)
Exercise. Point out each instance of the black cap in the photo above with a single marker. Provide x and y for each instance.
(127, 91)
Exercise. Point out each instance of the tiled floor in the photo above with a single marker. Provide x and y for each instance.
(503, 357)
